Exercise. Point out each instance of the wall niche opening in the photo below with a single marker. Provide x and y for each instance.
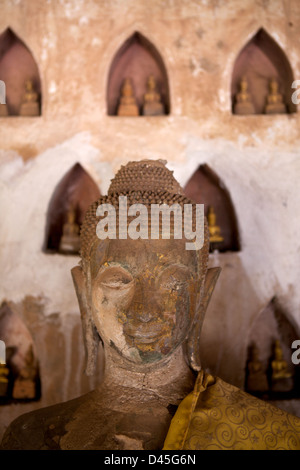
(68, 205)
(270, 372)
(20, 74)
(205, 187)
(135, 62)
(263, 76)
(20, 376)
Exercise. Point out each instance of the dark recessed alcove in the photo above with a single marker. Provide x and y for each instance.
(272, 325)
(76, 190)
(261, 60)
(17, 66)
(20, 378)
(205, 187)
(136, 59)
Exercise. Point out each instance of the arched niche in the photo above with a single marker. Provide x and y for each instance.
(22, 363)
(272, 325)
(261, 60)
(76, 190)
(136, 59)
(17, 66)
(205, 187)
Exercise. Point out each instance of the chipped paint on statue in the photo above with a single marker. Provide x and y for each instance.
(142, 300)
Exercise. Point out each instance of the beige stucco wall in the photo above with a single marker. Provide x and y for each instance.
(257, 157)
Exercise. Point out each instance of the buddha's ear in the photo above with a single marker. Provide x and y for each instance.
(90, 334)
(193, 345)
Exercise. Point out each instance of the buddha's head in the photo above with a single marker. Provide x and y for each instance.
(143, 297)
(71, 216)
(151, 83)
(29, 85)
(273, 86)
(127, 89)
(278, 351)
(244, 84)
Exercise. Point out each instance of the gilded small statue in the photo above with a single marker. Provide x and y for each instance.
(4, 380)
(243, 100)
(128, 105)
(256, 377)
(25, 385)
(214, 229)
(144, 299)
(152, 100)
(282, 377)
(70, 241)
(30, 104)
(275, 103)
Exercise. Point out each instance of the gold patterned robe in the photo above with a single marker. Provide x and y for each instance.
(217, 415)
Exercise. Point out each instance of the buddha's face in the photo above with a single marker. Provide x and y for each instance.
(144, 295)
(244, 84)
(274, 87)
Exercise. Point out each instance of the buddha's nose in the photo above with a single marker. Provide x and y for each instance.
(143, 306)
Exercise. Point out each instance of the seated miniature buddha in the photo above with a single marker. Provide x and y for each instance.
(152, 100)
(4, 380)
(243, 101)
(25, 384)
(70, 241)
(214, 229)
(145, 300)
(30, 105)
(128, 105)
(275, 103)
(281, 378)
(256, 377)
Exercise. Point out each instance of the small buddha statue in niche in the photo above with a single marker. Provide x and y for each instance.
(256, 378)
(214, 229)
(3, 110)
(128, 105)
(70, 241)
(243, 101)
(4, 380)
(281, 378)
(275, 103)
(25, 385)
(145, 300)
(152, 100)
(30, 104)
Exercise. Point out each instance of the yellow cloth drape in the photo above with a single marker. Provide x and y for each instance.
(217, 415)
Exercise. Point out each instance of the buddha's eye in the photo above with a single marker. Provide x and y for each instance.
(115, 277)
(174, 278)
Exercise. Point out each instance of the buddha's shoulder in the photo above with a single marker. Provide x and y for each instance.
(237, 398)
(247, 421)
(42, 428)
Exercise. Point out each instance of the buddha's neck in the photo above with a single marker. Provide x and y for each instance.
(170, 379)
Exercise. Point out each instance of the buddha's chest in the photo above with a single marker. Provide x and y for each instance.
(143, 427)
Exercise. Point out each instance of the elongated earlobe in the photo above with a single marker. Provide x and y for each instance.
(193, 345)
(90, 334)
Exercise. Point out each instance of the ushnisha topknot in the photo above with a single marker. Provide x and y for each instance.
(146, 182)
(145, 175)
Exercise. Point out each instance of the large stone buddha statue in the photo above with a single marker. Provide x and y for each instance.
(145, 300)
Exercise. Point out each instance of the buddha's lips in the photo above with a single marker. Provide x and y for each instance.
(144, 333)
